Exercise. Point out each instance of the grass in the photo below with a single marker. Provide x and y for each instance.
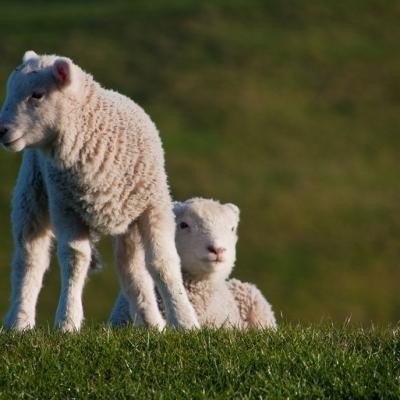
(291, 111)
(288, 109)
(321, 361)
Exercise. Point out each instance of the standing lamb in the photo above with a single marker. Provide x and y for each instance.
(206, 241)
(93, 164)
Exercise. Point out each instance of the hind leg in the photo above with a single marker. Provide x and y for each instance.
(120, 315)
(157, 229)
(137, 295)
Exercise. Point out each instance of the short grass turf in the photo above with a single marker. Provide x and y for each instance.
(323, 361)
(289, 109)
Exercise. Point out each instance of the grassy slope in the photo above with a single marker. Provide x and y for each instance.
(289, 109)
(314, 362)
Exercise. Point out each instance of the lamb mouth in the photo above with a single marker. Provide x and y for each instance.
(12, 141)
(215, 261)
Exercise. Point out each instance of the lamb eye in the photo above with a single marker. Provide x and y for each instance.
(233, 229)
(183, 225)
(37, 95)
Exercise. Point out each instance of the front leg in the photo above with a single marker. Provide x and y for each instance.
(30, 261)
(32, 239)
(74, 254)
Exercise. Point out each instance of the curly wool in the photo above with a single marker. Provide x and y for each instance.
(213, 303)
(228, 304)
(109, 161)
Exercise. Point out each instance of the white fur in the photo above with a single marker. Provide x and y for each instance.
(201, 225)
(93, 164)
(30, 54)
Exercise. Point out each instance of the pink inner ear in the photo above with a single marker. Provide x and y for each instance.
(62, 74)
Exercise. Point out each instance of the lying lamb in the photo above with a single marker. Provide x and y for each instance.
(206, 241)
(93, 164)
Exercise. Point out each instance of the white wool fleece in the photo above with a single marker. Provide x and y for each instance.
(206, 236)
(93, 164)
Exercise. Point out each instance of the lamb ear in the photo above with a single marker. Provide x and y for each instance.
(178, 207)
(234, 208)
(29, 55)
(62, 71)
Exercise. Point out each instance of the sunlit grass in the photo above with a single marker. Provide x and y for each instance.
(324, 361)
(289, 110)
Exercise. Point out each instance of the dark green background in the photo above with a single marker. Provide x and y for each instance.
(288, 109)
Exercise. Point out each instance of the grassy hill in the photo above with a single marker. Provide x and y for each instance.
(288, 109)
(297, 362)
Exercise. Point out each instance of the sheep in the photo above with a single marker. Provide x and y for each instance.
(206, 236)
(93, 164)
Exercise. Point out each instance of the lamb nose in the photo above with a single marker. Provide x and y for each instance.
(3, 130)
(217, 251)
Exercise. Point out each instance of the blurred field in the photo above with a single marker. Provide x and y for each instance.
(291, 110)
